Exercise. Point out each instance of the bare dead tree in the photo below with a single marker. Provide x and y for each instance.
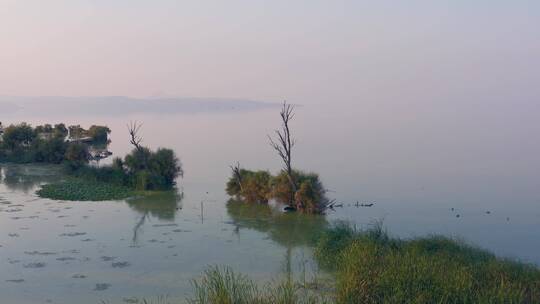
(237, 174)
(284, 144)
(135, 140)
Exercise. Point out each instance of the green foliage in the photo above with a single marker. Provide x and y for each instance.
(260, 186)
(253, 188)
(44, 144)
(370, 267)
(18, 136)
(49, 151)
(84, 190)
(60, 130)
(152, 170)
(99, 134)
(76, 131)
(77, 155)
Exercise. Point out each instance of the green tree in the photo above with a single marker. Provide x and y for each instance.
(18, 136)
(77, 155)
(99, 134)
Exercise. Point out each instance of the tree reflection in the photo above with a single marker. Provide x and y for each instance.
(162, 205)
(287, 229)
(290, 230)
(27, 178)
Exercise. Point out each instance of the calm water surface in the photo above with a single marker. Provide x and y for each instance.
(420, 172)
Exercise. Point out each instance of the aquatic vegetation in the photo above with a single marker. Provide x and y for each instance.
(84, 190)
(371, 267)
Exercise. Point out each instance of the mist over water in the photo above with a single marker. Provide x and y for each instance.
(421, 165)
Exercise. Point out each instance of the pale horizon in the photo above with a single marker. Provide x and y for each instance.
(306, 52)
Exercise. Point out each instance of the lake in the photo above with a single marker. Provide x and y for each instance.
(462, 172)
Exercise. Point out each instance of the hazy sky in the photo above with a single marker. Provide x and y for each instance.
(306, 51)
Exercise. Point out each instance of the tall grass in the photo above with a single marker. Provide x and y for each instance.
(368, 266)
(371, 267)
(221, 285)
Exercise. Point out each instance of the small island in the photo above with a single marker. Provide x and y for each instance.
(299, 191)
(138, 173)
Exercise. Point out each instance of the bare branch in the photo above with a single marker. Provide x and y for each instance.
(133, 129)
(284, 143)
(237, 174)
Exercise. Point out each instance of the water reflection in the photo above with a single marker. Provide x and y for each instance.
(287, 229)
(162, 205)
(27, 178)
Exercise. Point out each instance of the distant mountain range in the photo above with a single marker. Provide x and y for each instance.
(118, 105)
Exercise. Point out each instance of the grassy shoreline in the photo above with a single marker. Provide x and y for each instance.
(368, 266)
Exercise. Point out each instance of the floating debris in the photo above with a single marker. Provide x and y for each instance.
(35, 252)
(73, 234)
(180, 230)
(15, 281)
(108, 258)
(120, 264)
(165, 225)
(102, 286)
(64, 259)
(78, 276)
(35, 265)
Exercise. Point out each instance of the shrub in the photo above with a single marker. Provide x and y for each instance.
(253, 188)
(310, 195)
(18, 136)
(77, 155)
(51, 150)
(153, 170)
(260, 186)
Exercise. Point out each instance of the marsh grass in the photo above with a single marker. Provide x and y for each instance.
(368, 266)
(371, 267)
